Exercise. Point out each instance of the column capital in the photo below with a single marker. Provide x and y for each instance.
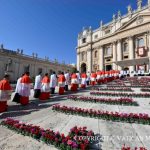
(114, 42)
(100, 47)
(148, 32)
(89, 50)
(130, 37)
(118, 40)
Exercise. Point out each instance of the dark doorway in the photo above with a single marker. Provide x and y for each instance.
(83, 68)
(126, 68)
(108, 67)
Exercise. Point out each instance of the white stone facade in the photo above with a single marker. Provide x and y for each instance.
(15, 64)
(118, 44)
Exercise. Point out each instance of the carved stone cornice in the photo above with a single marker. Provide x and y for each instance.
(130, 38)
(148, 32)
(119, 41)
(114, 42)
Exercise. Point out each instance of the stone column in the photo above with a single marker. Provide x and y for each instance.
(131, 52)
(114, 55)
(148, 36)
(119, 53)
(89, 60)
(78, 61)
(101, 58)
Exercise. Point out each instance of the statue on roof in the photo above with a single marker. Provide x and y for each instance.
(119, 14)
(129, 9)
(139, 4)
(101, 24)
(114, 17)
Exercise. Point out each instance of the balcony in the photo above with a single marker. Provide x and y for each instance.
(108, 55)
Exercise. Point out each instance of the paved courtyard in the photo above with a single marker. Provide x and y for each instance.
(113, 134)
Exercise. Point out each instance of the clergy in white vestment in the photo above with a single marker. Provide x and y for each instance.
(25, 89)
(18, 90)
(53, 82)
(67, 77)
(18, 85)
(37, 85)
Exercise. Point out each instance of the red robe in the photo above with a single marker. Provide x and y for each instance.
(61, 84)
(5, 90)
(25, 86)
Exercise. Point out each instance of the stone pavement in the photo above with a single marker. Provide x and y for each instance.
(115, 134)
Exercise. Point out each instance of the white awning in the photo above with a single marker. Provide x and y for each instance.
(133, 62)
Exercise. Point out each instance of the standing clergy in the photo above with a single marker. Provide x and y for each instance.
(5, 92)
(18, 90)
(37, 85)
(61, 83)
(93, 78)
(67, 77)
(78, 77)
(98, 77)
(53, 82)
(25, 89)
(88, 78)
(74, 82)
(45, 88)
(83, 80)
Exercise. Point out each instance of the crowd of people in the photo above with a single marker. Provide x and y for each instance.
(44, 86)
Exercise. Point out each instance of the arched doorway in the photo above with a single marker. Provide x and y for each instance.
(108, 67)
(83, 68)
(126, 68)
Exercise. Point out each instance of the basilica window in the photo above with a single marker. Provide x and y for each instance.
(95, 54)
(125, 47)
(107, 31)
(108, 51)
(50, 71)
(96, 36)
(84, 40)
(39, 69)
(140, 42)
(26, 68)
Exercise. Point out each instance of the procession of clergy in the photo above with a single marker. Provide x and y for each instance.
(45, 86)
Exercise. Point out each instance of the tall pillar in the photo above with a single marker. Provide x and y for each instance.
(114, 56)
(78, 61)
(119, 52)
(148, 36)
(149, 4)
(131, 52)
(89, 60)
(101, 58)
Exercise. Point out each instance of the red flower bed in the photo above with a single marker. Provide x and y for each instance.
(129, 86)
(136, 148)
(120, 101)
(105, 115)
(143, 95)
(69, 142)
(125, 89)
(145, 89)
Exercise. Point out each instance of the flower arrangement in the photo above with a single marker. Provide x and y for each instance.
(145, 89)
(134, 82)
(129, 86)
(105, 115)
(125, 89)
(129, 148)
(143, 95)
(120, 101)
(69, 142)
